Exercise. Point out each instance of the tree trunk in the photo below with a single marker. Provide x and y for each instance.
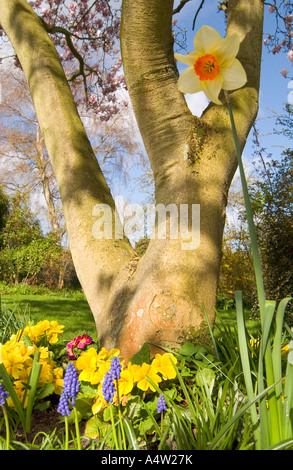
(41, 164)
(193, 162)
(159, 298)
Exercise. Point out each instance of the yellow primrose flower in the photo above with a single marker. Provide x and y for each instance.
(104, 354)
(87, 360)
(55, 330)
(99, 402)
(285, 349)
(90, 375)
(163, 365)
(44, 353)
(46, 375)
(51, 329)
(212, 65)
(93, 369)
(35, 332)
(142, 381)
(58, 379)
(19, 389)
(13, 363)
(126, 382)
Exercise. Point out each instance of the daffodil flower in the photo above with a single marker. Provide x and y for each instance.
(212, 66)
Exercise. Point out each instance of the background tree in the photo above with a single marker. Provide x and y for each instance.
(272, 196)
(4, 207)
(236, 269)
(25, 165)
(25, 254)
(270, 186)
(159, 299)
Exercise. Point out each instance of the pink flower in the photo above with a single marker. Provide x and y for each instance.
(79, 342)
(70, 353)
(83, 341)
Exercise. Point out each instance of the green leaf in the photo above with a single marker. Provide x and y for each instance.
(130, 434)
(32, 384)
(132, 406)
(188, 349)
(88, 389)
(10, 389)
(205, 376)
(143, 355)
(45, 391)
(239, 413)
(95, 428)
(146, 426)
(83, 404)
(43, 406)
(26, 339)
(290, 354)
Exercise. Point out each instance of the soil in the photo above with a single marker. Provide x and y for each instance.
(44, 422)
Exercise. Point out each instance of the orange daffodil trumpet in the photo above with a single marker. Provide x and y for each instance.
(212, 66)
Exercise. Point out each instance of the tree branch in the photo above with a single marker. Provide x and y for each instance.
(196, 14)
(180, 6)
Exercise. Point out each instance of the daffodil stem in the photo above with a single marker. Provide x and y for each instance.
(249, 213)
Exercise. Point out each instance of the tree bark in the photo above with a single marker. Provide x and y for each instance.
(159, 298)
(81, 183)
(193, 162)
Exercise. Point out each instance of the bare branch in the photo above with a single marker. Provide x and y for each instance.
(196, 14)
(180, 6)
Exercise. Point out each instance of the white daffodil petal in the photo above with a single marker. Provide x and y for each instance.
(189, 59)
(226, 50)
(188, 81)
(234, 76)
(205, 38)
(212, 88)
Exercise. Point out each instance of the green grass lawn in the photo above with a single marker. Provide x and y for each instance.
(72, 311)
(228, 317)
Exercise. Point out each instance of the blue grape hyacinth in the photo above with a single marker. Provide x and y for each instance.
(63, 406)
(161, 405)
(108, 387)
(71, 386)
(115, 368)
(3, 395)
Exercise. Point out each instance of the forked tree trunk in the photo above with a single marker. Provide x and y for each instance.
(159, 298)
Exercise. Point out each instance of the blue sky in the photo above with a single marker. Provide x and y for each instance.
(273, 89)
(273, 86)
